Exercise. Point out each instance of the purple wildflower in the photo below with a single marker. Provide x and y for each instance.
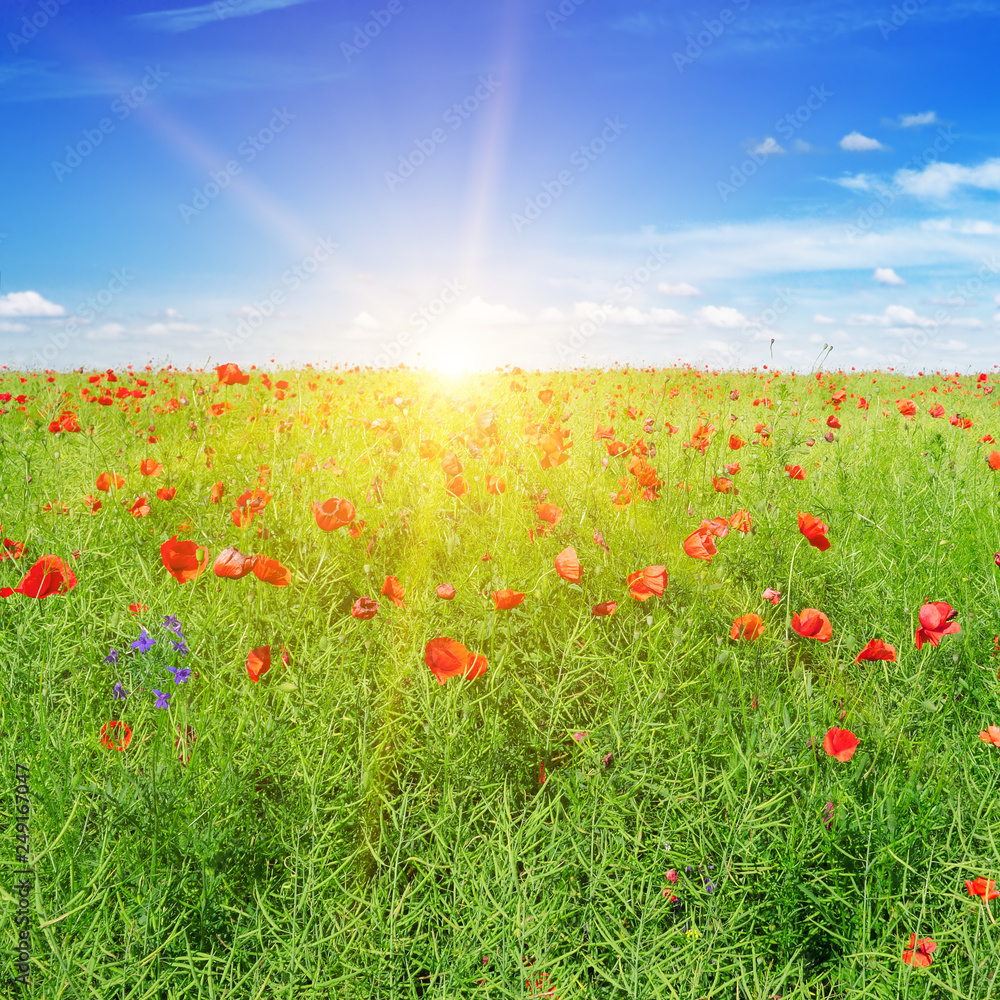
(171, 622)
(119, 692)
(181, 674)
(180, 647)
(112, 657)
(162, 700)
(144, 644)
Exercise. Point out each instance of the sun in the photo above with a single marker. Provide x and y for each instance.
(456, 354)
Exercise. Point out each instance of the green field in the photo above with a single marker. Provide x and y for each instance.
(347, 826)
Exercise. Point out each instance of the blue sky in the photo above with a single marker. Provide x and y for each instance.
(537, 182)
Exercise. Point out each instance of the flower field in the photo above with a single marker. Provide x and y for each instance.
(625, 683)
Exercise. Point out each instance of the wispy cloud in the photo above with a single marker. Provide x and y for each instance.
(855, 142)
(924, 118)
(940, 180)
(188, 18)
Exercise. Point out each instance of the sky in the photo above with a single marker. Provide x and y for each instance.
(545, 183)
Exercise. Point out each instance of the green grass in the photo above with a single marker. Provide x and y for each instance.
(349, 828)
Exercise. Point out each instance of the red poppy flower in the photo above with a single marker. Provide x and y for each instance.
(456, 486)
(741, 522)
(50, 575)
(394, 591)
(233, 564)
(568, 566)
(723, 485)
(333, 513)
(140, 507)
(648, 582)
(495, 485)
(605, 608)
(906, 407)
(549, 512)
(982, 887)
(700, 544)
(812, 624)
(137, 608)
(429, 449)
(230, 374)
(832, 421)
(795, 472)
(105, 480)
(770, 594)
(919, 953)
(166, 492)
(181, 559)
(814, 530)
(935, 622)
(840, 743)
(150, 467)
(736, 442)
(269, 570)
(449, 658)
(445, 591)
(991, 734)
(937, 410)
(506, 599)
(748, 627)
(364, 608)
(877, 650)
(94, 505)
(258, 662)
(217, 491)
(108, 739)
(994, 460)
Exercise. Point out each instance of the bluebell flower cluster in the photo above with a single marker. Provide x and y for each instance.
(146, 665)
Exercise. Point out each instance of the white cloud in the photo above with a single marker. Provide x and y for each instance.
(478, 312)
(723, 317)
(820, 318)
(767, 147)
(107, 331)
(887, 276)
(855, 142)
(967, 227)
(28, 304)
(161, 329)
(188, 18)
(859, 182)
(939, 180)
(6, 327)
(627, 316)
(683, 289)
(924, 118)
(904, 318)
(801, 146)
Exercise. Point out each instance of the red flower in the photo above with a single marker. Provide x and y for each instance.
(935, 622)
(982, 887)
(259, 661)
(812, 624)
(991, 734)
(840, 743)
(700, 544)
(770, 594)
(605, 608)
(741, 521)
(364, 608)
(723, 485)
(105, 480)
(269, 570)
(919, 953)
(230, 374)
(107, 740)
(994, 460)
(456, 486)
(150, 467)
(749, 627)
(394, 591)
(568, 566)
(877, 650)
(937, 410)
(814, 530)
(736, 442)
(94, 505)
(549, 512)
(506, 599)
(906, 407)
(648, 582)
(449, 658)
(333, 513)
(181, 559)
(140, 507)
(795, 472)
(233, 564)
(166, 492)
(137, 608)
(445, 591)
(217, 491)
(495, 484)
(50, 575)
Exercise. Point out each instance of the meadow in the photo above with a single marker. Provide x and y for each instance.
(643, 778)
